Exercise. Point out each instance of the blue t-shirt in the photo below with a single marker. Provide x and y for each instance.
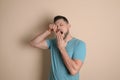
(75, 48)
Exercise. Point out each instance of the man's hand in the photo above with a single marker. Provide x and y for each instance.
(52, 27)
(60, 41)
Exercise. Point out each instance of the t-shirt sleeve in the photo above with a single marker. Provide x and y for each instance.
(49, 42)
(80, 51)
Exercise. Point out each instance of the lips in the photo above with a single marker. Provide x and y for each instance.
(61, 32)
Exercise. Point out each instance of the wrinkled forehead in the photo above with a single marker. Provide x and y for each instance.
(60, 21)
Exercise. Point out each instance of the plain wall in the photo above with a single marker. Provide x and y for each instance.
(97, 22)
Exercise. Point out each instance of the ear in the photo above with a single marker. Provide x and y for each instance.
(69, 25)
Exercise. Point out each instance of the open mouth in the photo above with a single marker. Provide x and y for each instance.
(60, 31)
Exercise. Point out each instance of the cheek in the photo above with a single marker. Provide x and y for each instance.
(65, 28)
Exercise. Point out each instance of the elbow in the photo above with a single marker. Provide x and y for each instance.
(32, 44)
(74, 72)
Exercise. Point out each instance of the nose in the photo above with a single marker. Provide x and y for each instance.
(58, 27)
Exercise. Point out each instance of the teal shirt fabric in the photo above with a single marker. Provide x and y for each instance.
(75, 48)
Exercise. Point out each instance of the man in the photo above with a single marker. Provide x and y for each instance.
(67, 52)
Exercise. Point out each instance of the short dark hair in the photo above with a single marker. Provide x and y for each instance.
(60, 17)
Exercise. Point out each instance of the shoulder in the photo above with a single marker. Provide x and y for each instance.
(79, 41)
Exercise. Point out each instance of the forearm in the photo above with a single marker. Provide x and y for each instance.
(41, 37)
(69, 63)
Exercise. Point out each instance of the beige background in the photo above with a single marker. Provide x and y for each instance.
(97, 22)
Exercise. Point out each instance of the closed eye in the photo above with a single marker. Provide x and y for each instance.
(61, 24)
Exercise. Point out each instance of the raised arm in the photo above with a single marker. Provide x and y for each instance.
(40, 40)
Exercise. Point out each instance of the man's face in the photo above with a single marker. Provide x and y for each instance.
(63, 27)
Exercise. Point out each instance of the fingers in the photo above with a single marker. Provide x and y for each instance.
(59, 36)
(53, 27)
(60, 41)
(50, 26)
